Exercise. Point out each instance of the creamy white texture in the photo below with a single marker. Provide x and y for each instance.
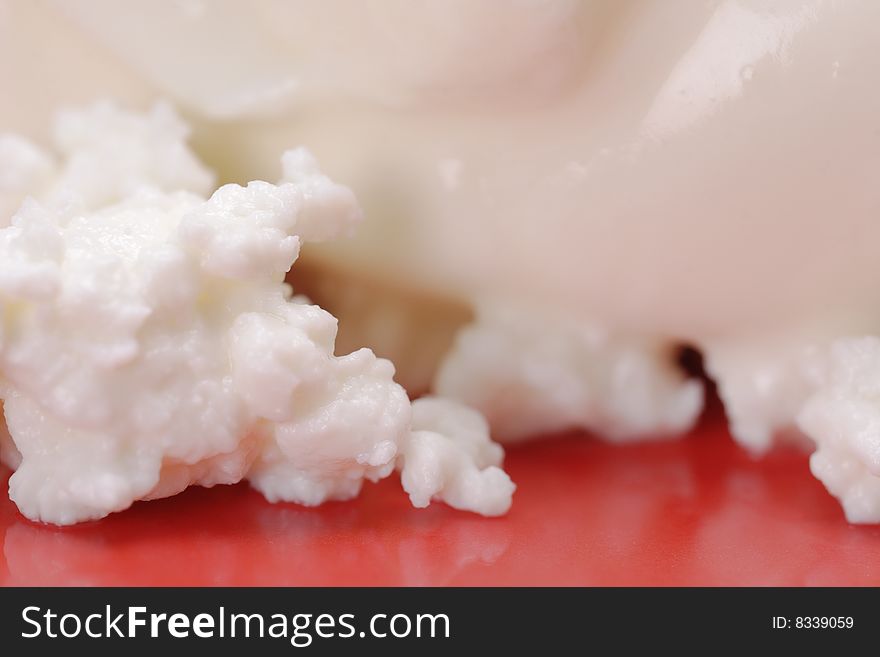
(631, 152)
(705, 173)
(821, 391)
(533, 371)
(843, 417)
(148, 341)
(99, 157)
(26, 168)
(450, 457)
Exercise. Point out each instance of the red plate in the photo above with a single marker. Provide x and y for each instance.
(697, 511)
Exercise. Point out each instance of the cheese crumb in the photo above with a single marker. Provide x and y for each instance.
(532, 372)
(148, 341)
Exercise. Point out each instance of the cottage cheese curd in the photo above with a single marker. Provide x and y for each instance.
(604, 182)
(148, 341)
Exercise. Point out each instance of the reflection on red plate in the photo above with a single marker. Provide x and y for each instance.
(690, 512)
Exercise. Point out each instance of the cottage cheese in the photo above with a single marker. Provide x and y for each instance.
(609, 180)
(148, 341)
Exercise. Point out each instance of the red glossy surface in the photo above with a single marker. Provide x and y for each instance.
(694, 511)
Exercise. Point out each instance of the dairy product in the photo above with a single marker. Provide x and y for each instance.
(702, 173)
(533, 371)
(148, 341)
